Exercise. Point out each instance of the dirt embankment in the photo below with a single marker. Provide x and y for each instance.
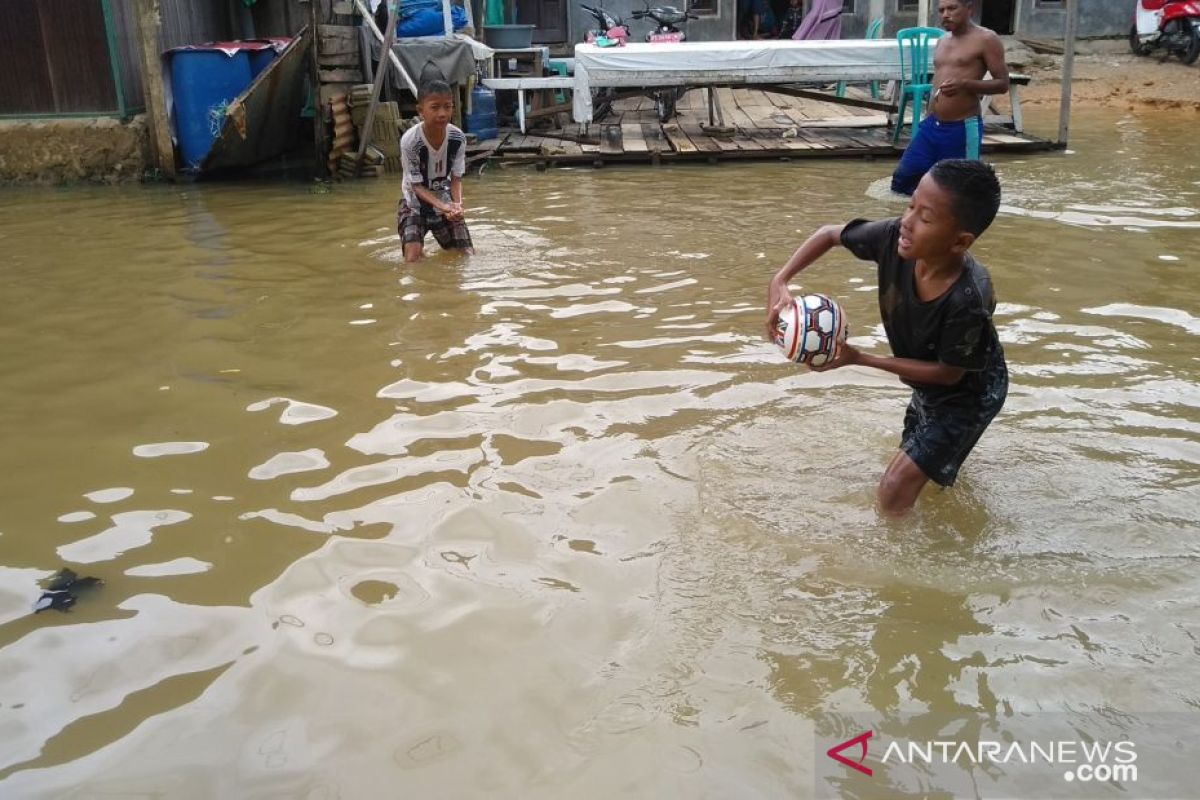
(95, 150)
(1107, 75)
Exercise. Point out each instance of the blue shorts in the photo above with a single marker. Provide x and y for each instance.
(934, 141)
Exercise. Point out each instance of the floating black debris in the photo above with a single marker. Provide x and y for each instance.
(60, 600)
(61, 593)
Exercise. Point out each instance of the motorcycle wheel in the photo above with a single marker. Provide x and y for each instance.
(1135, 43)
(1189, 54)
(602, 101)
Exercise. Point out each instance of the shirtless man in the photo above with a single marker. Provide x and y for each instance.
(954, 126)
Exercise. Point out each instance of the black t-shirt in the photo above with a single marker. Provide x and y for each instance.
(955, 328)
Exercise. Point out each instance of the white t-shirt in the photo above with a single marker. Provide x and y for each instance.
(424, 166)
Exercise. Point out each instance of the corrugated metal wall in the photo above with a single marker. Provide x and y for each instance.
(54, 54)
(129, 58)
(279, 17)
(194, 22)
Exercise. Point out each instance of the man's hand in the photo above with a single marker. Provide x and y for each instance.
(952, 86)
(453, 211)
(845, 355)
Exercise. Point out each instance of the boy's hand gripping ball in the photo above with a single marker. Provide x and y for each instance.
(810, 329)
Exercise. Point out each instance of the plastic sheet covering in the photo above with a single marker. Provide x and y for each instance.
(741, 62)
(451, 58)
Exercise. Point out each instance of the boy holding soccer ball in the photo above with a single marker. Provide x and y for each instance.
(936, 301)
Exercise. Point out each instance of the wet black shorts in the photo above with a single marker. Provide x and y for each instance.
(412, 223)
(938, 437)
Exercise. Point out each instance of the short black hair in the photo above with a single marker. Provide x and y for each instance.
(974, 190)
(432, 87)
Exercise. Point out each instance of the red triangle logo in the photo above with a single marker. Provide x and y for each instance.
(835, 752)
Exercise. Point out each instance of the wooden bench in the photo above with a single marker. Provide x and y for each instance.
(1015, 80)
(522, 85)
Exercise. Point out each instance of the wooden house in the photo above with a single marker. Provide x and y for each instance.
(1043, 19)
(562, 23)
(70, 58)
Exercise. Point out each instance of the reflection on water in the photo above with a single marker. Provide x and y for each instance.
(553, 521)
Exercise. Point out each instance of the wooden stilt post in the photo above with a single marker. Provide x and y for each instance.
(319, 133)
(368, 124)
(148, 24)
(1068, 69)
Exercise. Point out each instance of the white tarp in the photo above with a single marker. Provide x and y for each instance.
(708, 63)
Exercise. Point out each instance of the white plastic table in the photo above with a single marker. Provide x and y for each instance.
(729, 63)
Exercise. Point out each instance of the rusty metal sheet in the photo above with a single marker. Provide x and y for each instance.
(264, 121)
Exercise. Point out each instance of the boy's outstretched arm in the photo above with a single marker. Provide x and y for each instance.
(815, 246)
(933, 373)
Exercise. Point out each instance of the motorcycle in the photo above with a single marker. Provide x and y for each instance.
(612, 31)
(1173, 25)
(608, 26)
(667, 17)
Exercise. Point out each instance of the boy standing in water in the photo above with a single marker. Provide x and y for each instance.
(434, 158)
(954, 127)
(936, 301)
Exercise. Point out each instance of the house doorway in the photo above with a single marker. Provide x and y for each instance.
(999, 16)
(550, 17)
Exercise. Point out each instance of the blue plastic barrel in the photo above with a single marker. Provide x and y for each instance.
(259, 59)
(202, 83)
(482, 119)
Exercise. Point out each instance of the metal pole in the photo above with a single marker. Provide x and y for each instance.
(370, 22)
(922, 13)
(1068, 69)
(113, 62)
(388, 38)
(471, 19)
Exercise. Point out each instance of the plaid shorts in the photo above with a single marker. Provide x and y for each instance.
(412, 223)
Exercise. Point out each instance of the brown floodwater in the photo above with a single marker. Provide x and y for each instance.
(553, 521)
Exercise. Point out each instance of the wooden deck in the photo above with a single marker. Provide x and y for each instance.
(758, 124)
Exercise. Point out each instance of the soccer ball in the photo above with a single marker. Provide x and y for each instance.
(810, 329)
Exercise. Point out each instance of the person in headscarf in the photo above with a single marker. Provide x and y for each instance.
(824, 21)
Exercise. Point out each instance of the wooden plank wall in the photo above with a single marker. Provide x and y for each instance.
(26, 86)
(56, 58)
